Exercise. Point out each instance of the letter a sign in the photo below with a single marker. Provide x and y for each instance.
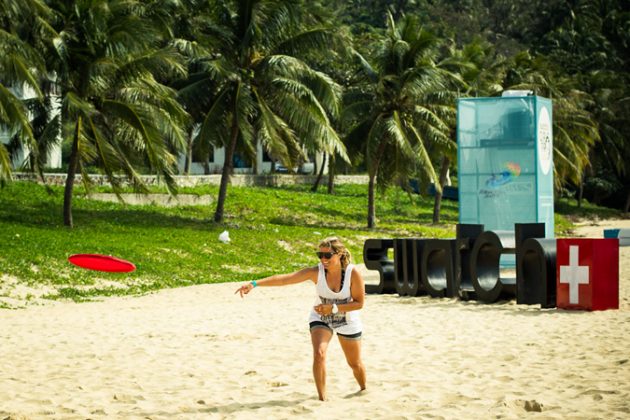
(587, 274)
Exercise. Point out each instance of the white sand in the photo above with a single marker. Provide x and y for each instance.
(202, 352)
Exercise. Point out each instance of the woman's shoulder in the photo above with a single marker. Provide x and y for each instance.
(306, 273)
(355, 274)
(311, 269)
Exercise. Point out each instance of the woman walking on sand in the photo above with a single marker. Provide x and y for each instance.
(341, 292)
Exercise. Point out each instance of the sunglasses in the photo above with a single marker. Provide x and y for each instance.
(325, 255)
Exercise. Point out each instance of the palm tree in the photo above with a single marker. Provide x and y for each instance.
(481, 72)
(611, 109)
(253, 86)
(397, 114)
(575, 130)
(20, 67)
(592, 47)
(107, 62)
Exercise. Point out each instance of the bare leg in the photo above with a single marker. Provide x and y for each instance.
(352, 351)
(320, 337)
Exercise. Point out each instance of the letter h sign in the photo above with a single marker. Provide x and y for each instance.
(587, 274)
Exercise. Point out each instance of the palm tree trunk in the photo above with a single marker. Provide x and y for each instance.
(189, 152)
(437, 204)
(331, 175)
(371, 221)
(72, 170)
(227, 171)
(320, 174)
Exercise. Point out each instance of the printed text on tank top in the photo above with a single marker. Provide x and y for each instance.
(343, 275)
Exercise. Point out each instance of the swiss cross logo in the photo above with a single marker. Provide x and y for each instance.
(587, 274)
(574, 274)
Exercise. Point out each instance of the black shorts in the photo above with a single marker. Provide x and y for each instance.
(319, 324)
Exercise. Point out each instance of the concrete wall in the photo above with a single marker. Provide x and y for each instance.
(194, 180)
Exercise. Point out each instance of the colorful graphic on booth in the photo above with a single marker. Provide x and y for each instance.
(512, 170)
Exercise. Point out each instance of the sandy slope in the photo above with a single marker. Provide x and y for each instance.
(201, 352)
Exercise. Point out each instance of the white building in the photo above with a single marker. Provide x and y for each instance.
(214, 163)
(53, 160)
(243, 166)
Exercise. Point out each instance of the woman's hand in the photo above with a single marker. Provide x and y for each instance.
(322, 309)
(244, 289)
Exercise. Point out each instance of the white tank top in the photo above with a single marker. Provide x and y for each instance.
(344, 323)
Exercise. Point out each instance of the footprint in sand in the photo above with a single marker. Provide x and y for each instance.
(527, 405)
(598, 394)
(533, 405)
(277, 384)
(128, 399)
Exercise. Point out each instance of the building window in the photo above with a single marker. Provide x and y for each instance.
(199, 158)
(240, 161)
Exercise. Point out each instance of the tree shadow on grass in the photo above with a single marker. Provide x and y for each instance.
(51, 215)
(328, 217)
(140, 218)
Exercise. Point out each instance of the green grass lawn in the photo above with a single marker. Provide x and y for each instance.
(272, 230)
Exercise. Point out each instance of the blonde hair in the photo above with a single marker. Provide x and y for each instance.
(338, 248)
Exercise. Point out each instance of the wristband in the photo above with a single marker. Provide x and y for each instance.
(253, 283)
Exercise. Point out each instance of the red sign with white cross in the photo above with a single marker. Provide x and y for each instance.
(587, 275)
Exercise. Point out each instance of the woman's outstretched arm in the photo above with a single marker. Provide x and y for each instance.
(309, 273)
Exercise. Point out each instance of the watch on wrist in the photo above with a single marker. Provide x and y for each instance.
(334, 309)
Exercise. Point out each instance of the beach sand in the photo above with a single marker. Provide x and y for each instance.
(203, 352)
